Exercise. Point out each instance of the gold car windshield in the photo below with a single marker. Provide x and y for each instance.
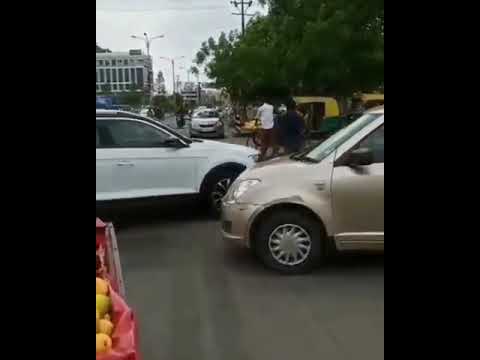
(333, 142)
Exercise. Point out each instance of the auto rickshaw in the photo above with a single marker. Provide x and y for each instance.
(316, 108)
(372, 100)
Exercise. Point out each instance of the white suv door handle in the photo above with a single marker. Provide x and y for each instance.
(126, 164)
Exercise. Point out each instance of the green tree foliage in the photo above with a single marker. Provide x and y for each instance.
(328, 47)
(165, 103)
(133, 98)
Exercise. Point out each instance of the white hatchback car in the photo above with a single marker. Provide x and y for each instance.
(137, 157)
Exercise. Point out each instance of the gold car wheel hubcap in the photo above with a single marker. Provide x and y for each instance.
(290, 244)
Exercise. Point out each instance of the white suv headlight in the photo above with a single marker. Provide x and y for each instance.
(240, 188)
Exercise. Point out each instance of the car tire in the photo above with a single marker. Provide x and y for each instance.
(304, 224)
(217, 184)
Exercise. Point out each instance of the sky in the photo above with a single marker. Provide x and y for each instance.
(185, 24)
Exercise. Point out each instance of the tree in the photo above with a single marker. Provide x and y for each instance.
(166, 104)
(324, 47)
(195, 71)
(161, 82)
(133, 98)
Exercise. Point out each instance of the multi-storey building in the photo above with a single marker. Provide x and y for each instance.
(124, 71)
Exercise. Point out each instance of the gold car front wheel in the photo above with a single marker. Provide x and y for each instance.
(290, 241)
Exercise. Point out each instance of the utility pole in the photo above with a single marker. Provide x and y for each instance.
(172, 60)
(243, 10)
(173, 75)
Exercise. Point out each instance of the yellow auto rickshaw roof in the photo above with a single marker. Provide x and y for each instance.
(313, 99)
(373, 97)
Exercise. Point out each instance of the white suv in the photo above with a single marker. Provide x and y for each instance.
(137, 157)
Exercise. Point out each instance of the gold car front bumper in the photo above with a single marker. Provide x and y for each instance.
(236, 221)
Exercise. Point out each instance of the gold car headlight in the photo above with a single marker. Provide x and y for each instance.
(239, 189)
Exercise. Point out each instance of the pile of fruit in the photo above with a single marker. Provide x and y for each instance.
(104, 323)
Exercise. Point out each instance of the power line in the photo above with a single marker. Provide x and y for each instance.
(243, 11)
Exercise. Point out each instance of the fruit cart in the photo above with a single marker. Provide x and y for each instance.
(107, 246)
(120, 341)
(249, 127)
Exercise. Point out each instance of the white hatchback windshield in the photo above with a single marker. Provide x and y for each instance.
(333, 142)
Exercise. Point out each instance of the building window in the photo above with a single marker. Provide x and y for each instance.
(108, 76)
(132, 75)
(107, 63)
(102, 75)
(120, 87)
(140, 77)
(100, 62)
(114, 86)
(120, 75)
(114, 62)
(114, 75)
(127, 75)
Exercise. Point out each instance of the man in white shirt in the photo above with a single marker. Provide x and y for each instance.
(265, 115)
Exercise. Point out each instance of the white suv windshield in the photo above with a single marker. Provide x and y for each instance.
(325, 148)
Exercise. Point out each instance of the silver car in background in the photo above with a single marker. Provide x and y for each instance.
(291, 211)
(207, 123)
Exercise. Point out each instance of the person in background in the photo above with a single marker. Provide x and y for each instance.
(265, 115)
(292, 129)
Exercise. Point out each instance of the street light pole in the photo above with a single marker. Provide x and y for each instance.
(148, 40)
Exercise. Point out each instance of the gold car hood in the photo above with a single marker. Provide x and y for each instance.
(277, 167)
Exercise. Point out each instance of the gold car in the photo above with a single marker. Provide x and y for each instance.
(291, 210)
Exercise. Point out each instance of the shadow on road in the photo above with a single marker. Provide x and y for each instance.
(154, 215)
(189, 214)
(242, 260)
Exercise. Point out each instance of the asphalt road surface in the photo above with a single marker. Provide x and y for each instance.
(200, 298)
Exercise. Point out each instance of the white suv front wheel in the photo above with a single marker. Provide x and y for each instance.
(217, 185)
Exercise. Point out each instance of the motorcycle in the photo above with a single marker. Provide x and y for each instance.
(180, 121)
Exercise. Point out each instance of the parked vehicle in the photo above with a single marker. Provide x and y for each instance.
(140, 158)
(330, 197)
(207, 123)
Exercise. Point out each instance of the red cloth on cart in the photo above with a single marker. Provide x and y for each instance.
(125, 344)
(104, 257)
(100, 235)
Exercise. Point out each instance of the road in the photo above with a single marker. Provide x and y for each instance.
(200, 298)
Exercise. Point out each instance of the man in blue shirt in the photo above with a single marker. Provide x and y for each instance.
(291, 129)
